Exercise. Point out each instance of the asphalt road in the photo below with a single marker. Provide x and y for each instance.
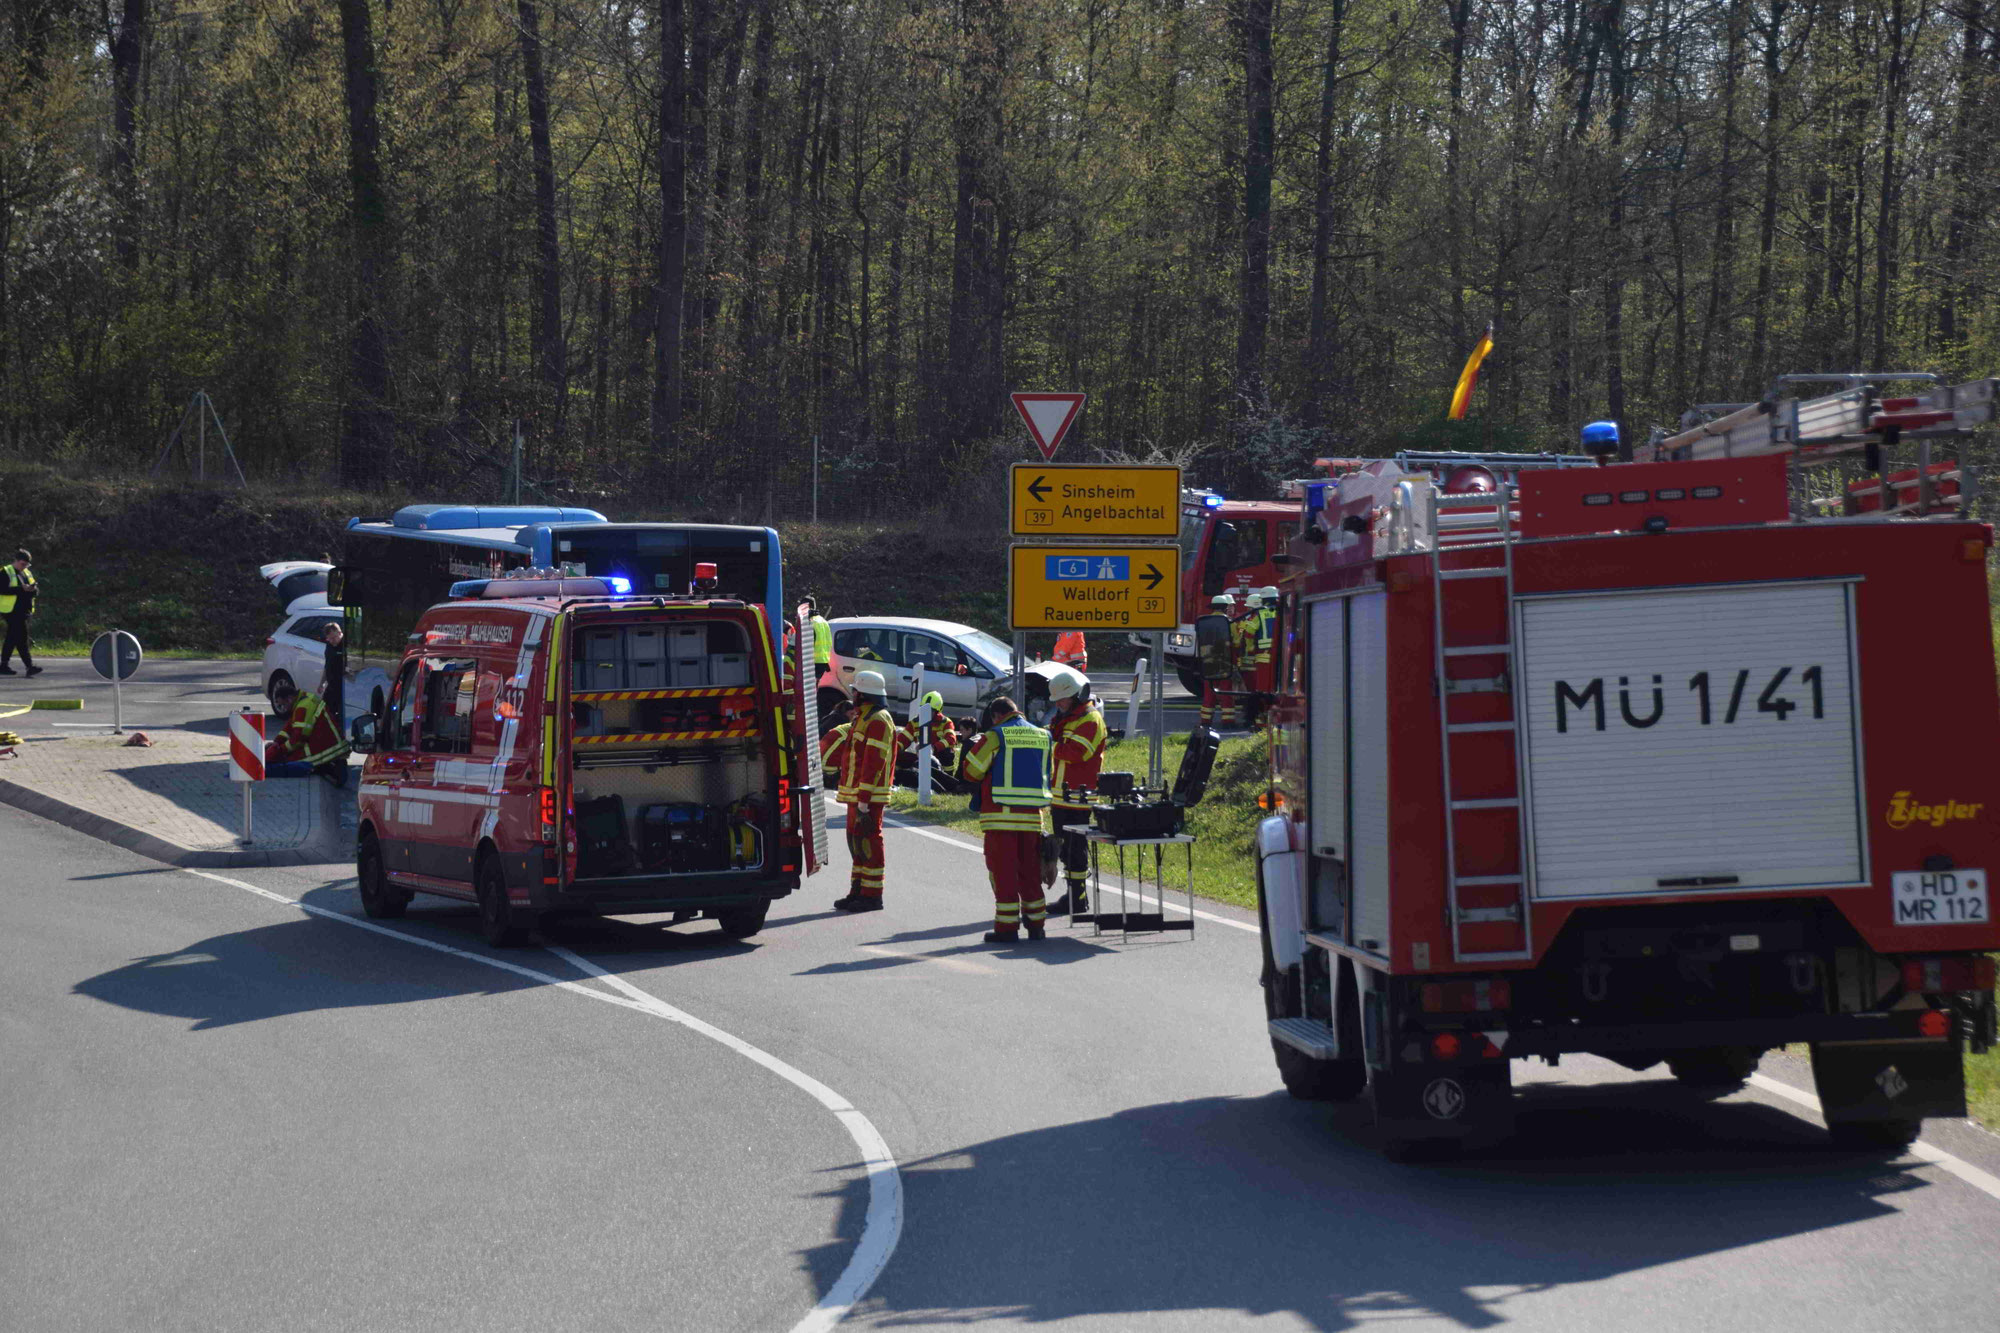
(165, 692)
(229, 1111)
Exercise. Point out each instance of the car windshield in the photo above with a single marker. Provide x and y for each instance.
(985, 646)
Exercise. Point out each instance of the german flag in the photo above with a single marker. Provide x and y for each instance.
(1468, 379)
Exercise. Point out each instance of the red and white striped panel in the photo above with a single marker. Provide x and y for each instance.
(246, 747)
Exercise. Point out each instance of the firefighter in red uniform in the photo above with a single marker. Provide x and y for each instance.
(311, 742)
(832, 747)
(1011, 762)
(1079, 736)
(867, 771)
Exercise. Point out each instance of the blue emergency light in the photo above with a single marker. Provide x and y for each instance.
(619, 584)
(1600, 437)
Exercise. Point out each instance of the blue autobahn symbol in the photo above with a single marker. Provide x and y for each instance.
(1087, 569)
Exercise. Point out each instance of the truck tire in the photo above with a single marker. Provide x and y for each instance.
(379, 898)
(1720, 1068)
(503, 926)
(740, 923)
(1873, 1135)
(1307, 1079)
(1191, 680)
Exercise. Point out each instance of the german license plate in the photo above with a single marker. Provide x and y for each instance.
(1941, 898)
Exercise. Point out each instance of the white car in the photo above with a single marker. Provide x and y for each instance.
(964, 665)
(295, 654)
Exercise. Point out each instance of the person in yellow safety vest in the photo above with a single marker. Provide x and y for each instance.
(943, 735)
(822, 635)
(1080, 736)
(311, 742)
(18, 591)
(1215, 648)
(867, 772)
(1012, 763)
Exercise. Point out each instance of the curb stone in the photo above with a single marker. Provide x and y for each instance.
(322, 849)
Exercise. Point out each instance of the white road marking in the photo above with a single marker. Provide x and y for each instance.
(880, 1229)
(965, 846)
(911, 956)
(1983, 1181)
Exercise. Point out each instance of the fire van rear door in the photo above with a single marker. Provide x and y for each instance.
(812, 800)
(1691, 740)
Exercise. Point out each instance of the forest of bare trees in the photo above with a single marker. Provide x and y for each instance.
(680, 240)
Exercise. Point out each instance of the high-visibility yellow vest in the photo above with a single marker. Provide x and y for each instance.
(1021, 769)
(11, 580)
(1267, 630)
(822, 641)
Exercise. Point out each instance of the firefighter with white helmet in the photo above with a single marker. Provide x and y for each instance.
(867, 772)
(1079, 734)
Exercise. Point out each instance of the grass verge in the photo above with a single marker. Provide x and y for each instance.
(1222, 824)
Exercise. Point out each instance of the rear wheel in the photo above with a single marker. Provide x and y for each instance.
(740, 923)
(379, 898)
(500, 922)
(1718, 1067)
(279, 680)
(1873, 1135)
(1306, 1078)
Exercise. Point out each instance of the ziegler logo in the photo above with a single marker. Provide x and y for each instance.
(1904, 812)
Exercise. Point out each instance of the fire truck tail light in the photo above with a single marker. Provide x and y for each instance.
(1445, 1046)
(548, 814)
(1934, 1023)
(1466, 997)
(1937, 976)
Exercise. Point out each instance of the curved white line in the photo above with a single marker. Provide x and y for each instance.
(882, 1226)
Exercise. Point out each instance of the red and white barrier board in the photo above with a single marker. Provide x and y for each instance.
(246, 747)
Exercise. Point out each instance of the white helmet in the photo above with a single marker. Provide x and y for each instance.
(1066, 684)
(1222, 600)
(870, 682)
(1268, 592)
(1252, 596)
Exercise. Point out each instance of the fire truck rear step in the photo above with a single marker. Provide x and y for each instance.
(1308, 1036)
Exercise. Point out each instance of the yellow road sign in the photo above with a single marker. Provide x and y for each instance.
(1096, 500)
(1094, 587)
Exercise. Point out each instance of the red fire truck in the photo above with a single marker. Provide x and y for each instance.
(1637, 761)
(551, 745)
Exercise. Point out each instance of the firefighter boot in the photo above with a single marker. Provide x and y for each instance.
(1074, 902)
(858, 902)
(1009, 935)
(1036, 930)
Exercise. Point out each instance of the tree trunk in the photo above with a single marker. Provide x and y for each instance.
(1721, 271)
(1886, 203)
(1767, 225)
(697, 192)
(128, 45)
(892, 344)
(756, 209)
(973, 352)
(1966, 161)
(670, 286)
(551, 359)
(1454, 220)
(1322, 346)
(1254, 308)
(1614, 250)
(367, 428)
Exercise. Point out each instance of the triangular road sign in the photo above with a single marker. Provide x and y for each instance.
(1049, 417)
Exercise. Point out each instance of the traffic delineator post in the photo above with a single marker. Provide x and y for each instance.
(246, 756)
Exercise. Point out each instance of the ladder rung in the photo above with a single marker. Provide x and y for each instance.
(1482, 573)
(1478, 880)
(1477, 685)
(1479, 726)
(1496, 803)
(1480, 650)
(1474, 915)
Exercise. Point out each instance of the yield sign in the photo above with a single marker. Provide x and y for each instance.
(1049, 417)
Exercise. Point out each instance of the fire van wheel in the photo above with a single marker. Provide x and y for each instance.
(379, 898)
(740, 923)
(502, 926)
(1717, 1068)
(1873, 1135)
(1191, 681)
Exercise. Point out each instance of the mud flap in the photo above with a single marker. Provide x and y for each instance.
(1894, 1080)
(1474, 1103)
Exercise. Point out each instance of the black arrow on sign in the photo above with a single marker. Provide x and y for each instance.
(1151, 578)
(1039, 489)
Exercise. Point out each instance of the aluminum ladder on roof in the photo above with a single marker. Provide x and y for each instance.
(1453, 539)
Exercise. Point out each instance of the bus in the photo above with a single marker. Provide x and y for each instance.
(392, 571)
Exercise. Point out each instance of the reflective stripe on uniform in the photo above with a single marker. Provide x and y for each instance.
(1022, 778)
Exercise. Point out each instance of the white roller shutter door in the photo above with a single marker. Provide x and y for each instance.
(1326, 721)
(1368, 728)
(1691, 740)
